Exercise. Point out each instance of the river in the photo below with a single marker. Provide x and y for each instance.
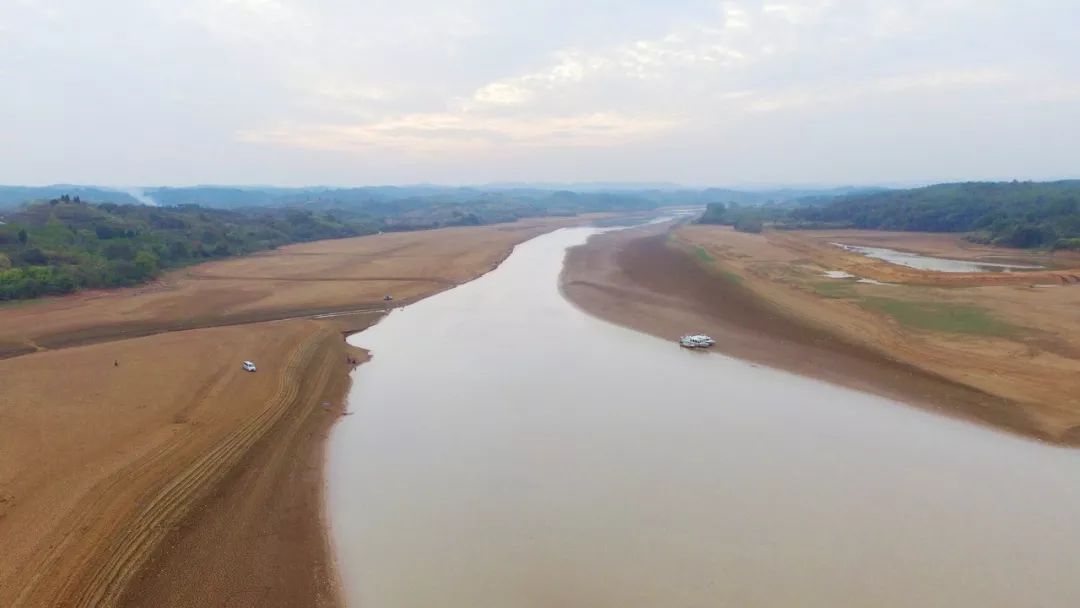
(936, 264)
(506, 450)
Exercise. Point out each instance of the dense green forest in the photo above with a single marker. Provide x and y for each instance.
(1013, 214)
(743, 217)
(65, 244)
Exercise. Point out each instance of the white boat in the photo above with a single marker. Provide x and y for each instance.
(696, 341)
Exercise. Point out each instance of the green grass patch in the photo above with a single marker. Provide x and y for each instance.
(941, 316)
(834, 289)
(731, 277)
(703, 255)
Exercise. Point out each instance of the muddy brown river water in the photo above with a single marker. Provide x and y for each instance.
(507, 450)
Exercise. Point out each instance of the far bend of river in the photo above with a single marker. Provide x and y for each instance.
(507, 450)
(926, 262)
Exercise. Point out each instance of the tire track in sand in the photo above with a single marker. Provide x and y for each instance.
(100, 578)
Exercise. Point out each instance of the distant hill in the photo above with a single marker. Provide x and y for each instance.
(13, 196)
(1017, 214)
(395, 199)
(213, 196)
(1013, 214)
(65, 244)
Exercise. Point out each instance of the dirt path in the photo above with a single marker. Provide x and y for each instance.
(639, 279)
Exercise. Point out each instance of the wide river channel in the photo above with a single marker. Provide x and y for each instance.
(507, 450)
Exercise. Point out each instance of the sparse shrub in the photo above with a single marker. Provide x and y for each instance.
(749, 224)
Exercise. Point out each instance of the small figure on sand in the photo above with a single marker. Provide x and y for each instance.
(116, 363)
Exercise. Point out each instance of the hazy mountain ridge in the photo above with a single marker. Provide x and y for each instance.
(13, 196)
(568, 198)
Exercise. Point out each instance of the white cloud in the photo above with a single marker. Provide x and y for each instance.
(568, 69)
(220, 83)
(799, 13)
(735, 16)
(502, 94)
(640, 60)
(436, 132)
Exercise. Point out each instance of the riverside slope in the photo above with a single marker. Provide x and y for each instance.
(637, 279)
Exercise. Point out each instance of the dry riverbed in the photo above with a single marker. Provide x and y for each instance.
(140, 467)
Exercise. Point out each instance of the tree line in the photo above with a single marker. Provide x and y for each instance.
(65, 244)
(1012, 214)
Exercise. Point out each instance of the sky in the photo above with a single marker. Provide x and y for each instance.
(356, 92)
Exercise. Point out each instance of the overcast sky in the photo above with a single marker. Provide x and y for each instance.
(350, 92)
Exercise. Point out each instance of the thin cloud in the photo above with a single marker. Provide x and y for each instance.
(700, 90)
(899, 84)
(450, 131)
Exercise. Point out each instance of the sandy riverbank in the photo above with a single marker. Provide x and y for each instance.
(140, 467)
(665, 285)
(297, 280)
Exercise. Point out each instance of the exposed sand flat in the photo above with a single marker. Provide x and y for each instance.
(103, 462)
(324, 276)
(152, 471)
(1064, 268)
(764, 298)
